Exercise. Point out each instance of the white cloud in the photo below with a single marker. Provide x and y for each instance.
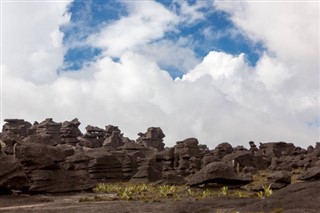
(220, 99)
(146, 22)
(290, 31)
(31, 39)
(167, 53)
(191, 13)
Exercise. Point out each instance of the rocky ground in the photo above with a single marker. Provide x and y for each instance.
(297, 198)
(42, 163)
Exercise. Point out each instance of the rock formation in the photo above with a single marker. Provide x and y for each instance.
(49, 157)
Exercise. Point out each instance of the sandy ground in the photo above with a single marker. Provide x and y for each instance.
(70, 203)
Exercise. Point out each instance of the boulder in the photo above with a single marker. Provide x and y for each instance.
(279, 179)
(276, 149)
(221, 150)
(217, 172)
(241, 159)
(312, 173)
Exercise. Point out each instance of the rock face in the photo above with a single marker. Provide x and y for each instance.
(12, 175)
(217, 172)
(50, 157)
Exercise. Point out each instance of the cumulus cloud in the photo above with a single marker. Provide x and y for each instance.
(31, 39)
(221, 98)
(144, 24)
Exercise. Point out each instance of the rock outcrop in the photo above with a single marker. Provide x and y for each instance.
(217, 172)
(50, 157)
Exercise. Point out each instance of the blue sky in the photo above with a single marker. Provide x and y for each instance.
(88, 16)
(215, 70)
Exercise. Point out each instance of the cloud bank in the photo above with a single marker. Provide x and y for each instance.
(219, 98)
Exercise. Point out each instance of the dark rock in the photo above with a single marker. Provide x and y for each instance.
(46, 132)
(311, 174)
(253, 148)
(104, 166)
(93, 138)
(221, 150)
(114, 140)
(12, 175)
(38, 156)
(276, 149)
(70, 132)
(298, 197)
(187, 156)
(148, 171)
(217, 172)
(18, 127)
(132, 146)
(9, 139)
(241, 159)
(279, 179)
(153, 138)
(171, 178)
(310, 149)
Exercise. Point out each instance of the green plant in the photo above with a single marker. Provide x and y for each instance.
(167, 191)
(267, 190)
(207, 193)
(126, 194)
(224, 190)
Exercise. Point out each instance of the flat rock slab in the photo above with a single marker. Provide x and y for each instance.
(217, 172)
(303, 196)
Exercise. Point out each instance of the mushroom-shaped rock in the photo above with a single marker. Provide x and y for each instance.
(217, 172)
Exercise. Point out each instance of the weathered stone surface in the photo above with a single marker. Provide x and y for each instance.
(70, 132)
(46, 132)
(171, 178)
(9, 139)
(153, 138)
(217, 172)
(148, 171)
(298, 197)
(12, 175)
(187, 156)
(241, 159)
(18, 127)
(38, 156)
(276, 149)
(114, 140)
(279, 179)
(56, 157)
(221, 150)
(93, 138)
(311, 174)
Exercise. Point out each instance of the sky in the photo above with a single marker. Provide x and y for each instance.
(220, 71)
